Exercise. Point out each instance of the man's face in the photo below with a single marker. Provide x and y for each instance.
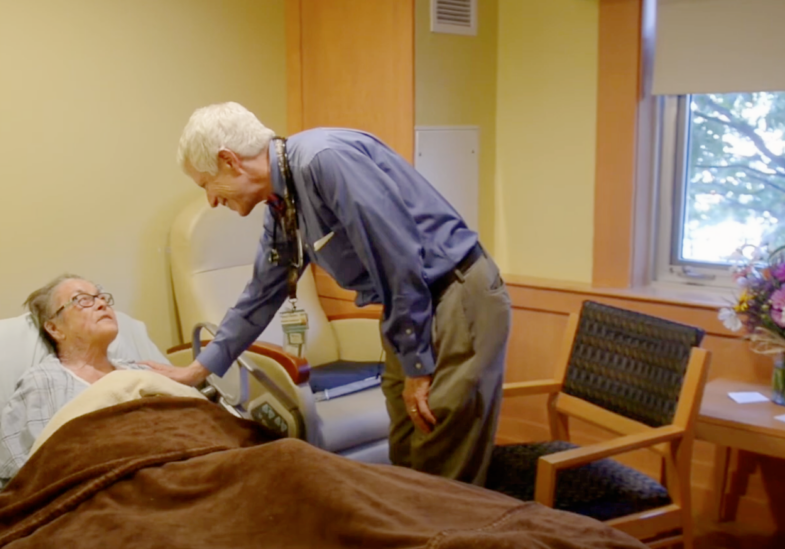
(233, 186)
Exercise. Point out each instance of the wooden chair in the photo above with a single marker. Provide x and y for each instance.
(638, 376)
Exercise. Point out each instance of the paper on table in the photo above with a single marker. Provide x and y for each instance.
(780, 418)
(748, 397)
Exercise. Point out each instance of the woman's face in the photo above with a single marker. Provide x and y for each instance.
(73, 324)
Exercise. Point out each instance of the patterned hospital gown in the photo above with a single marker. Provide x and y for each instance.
(41, 391)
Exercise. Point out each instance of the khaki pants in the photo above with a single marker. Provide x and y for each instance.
(469, 334)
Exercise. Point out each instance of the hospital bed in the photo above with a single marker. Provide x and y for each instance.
(173, 471)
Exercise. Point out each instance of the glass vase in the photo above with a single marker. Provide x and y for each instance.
(778, 380)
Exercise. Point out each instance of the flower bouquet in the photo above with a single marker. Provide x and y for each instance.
(760, 307)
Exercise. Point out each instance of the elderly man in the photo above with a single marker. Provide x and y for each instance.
(78, 322)
(344, 200)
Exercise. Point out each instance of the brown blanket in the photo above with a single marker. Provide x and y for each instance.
(178, 472)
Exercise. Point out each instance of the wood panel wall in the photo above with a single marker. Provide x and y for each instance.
(350, 63)
(618, 97)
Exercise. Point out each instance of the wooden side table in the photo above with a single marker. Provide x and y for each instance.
(748, 427)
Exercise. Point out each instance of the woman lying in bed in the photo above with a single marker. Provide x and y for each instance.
(77, 320)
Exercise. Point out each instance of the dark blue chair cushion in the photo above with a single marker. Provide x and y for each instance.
(342, 372)
(602, 490)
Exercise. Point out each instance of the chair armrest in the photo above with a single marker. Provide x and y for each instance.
(525, 388)
(297, 368)
(548, 466)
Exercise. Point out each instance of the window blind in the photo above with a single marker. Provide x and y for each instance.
(719, 46)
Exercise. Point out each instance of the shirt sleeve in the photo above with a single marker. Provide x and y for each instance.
(261, 299)
(368, 204)
(25, 415)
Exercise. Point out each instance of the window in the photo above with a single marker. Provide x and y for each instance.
(721, 182)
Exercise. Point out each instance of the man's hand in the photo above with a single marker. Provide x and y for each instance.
(415, 397)
(191, 375)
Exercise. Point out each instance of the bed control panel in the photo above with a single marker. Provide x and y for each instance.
(267, 411)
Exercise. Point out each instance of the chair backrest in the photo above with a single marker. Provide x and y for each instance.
(212, 256)
(22, 346)
(630, 363)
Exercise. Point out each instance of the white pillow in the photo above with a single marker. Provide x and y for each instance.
(21, 347)
(132, 342)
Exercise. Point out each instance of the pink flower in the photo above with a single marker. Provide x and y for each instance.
(778, 317)
(778, 299)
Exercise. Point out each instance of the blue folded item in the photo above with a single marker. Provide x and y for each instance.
(344, 377)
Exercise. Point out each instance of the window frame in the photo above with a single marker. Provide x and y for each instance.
(671, 180)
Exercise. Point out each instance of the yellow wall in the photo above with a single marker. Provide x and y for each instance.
(546, 123)
(455, 84)
(94, 94)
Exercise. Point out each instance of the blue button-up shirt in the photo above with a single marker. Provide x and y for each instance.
(370, 220)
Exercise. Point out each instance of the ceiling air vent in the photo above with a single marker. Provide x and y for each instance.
(454, 16)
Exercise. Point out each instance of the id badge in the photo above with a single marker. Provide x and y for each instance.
(295, 327)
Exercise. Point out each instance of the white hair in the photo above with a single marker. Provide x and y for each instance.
(221, 126)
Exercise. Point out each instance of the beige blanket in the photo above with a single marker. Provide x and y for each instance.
(115, 388)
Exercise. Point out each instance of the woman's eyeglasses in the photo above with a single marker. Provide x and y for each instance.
(84, 301)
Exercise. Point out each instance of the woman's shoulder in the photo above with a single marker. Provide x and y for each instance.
(49, 369)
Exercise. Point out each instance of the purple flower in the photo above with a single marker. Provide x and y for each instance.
(778, 271)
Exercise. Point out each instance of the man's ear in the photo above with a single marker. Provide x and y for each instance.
(229, 158)
(52, 329)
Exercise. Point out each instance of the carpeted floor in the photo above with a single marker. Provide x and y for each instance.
(732, 535)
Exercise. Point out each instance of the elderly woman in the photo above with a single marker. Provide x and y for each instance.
(76, 318)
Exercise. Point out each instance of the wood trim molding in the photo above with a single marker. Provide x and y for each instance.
(566, 299)
(618, 92)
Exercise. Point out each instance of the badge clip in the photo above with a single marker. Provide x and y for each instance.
(295, 328)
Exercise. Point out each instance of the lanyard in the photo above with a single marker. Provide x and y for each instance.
(294, 322)
(290, 224)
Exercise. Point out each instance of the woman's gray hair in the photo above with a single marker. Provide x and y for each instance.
(217, 127)
(41, 308)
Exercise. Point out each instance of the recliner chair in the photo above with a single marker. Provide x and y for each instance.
(212, 254)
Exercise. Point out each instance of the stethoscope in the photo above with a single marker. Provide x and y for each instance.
(274, 257)
(287, 218)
